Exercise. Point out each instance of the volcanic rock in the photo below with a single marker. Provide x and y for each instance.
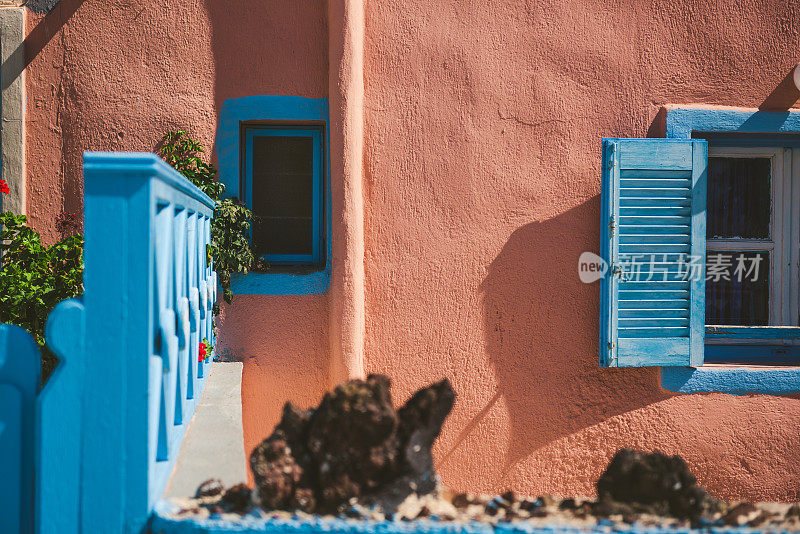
(654, 483)
(354, 445)
(212, 486)
(237, 499)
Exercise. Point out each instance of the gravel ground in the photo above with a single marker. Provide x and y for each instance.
(543, 511)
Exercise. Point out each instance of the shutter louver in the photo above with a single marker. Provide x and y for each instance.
(653, 294)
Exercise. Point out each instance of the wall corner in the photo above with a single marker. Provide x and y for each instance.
(12, 138)
(346, 94)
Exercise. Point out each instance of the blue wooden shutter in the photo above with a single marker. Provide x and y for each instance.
(652, 306)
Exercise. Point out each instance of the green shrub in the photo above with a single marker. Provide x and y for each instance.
(182, 153)
(230, 245)
(34, 277)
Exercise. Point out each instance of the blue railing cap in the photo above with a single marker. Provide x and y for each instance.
(145, 164)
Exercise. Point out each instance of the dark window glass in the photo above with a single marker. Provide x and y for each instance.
(283, 194)
(739, 194)
(737, 288)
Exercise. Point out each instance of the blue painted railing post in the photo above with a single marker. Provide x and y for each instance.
(93, 451)
(58, 444)
(117, 296)
(141, 351)
(19, 380)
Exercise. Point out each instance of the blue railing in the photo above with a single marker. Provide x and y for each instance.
(103, 434)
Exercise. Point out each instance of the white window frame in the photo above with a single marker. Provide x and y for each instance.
(784, 241)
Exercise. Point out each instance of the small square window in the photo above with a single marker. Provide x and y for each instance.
(283, 185)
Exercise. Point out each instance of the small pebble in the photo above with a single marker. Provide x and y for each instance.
(547, 500)
(209, 488)
(530, 505)
(568, 504)
(500, 502)
(237, 498)
(742, 514)
(462, 500)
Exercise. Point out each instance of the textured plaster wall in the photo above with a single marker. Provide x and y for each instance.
(116, 75)
(481, 180)
(280, 340)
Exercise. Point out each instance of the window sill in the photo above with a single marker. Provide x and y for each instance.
(771, 333)
(281, 283)
(732, 379)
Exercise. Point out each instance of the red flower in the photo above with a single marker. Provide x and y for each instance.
(202, 352)
(4, 187)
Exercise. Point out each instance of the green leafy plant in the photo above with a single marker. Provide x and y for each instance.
(35, 277)
(183, 153)
(230, 247)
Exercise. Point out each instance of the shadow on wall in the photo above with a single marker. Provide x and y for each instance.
(783, 97)
(279, 341)
(270, 47)
(52, 25)
(538, 317)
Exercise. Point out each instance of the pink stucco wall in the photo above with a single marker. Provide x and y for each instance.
(483, 127)
(481, 176)
(116, 75)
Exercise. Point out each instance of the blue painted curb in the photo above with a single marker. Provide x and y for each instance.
(254, 523)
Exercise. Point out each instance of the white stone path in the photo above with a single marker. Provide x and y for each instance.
(214, 442)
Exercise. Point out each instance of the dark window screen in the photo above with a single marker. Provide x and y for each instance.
(283, 194)
(743, 298)
(739, 198)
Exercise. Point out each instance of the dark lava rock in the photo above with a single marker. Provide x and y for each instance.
(462, 500)
(209, 488)
(353, 445)
(743, 514)
(275, 467)
(568, 504)
(639, 482)
(237, 499)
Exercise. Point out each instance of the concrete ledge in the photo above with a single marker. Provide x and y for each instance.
(12, 142)
(214, 442)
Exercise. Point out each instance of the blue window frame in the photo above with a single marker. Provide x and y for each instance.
(654, 201)
(283, 185)
(235, 114)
